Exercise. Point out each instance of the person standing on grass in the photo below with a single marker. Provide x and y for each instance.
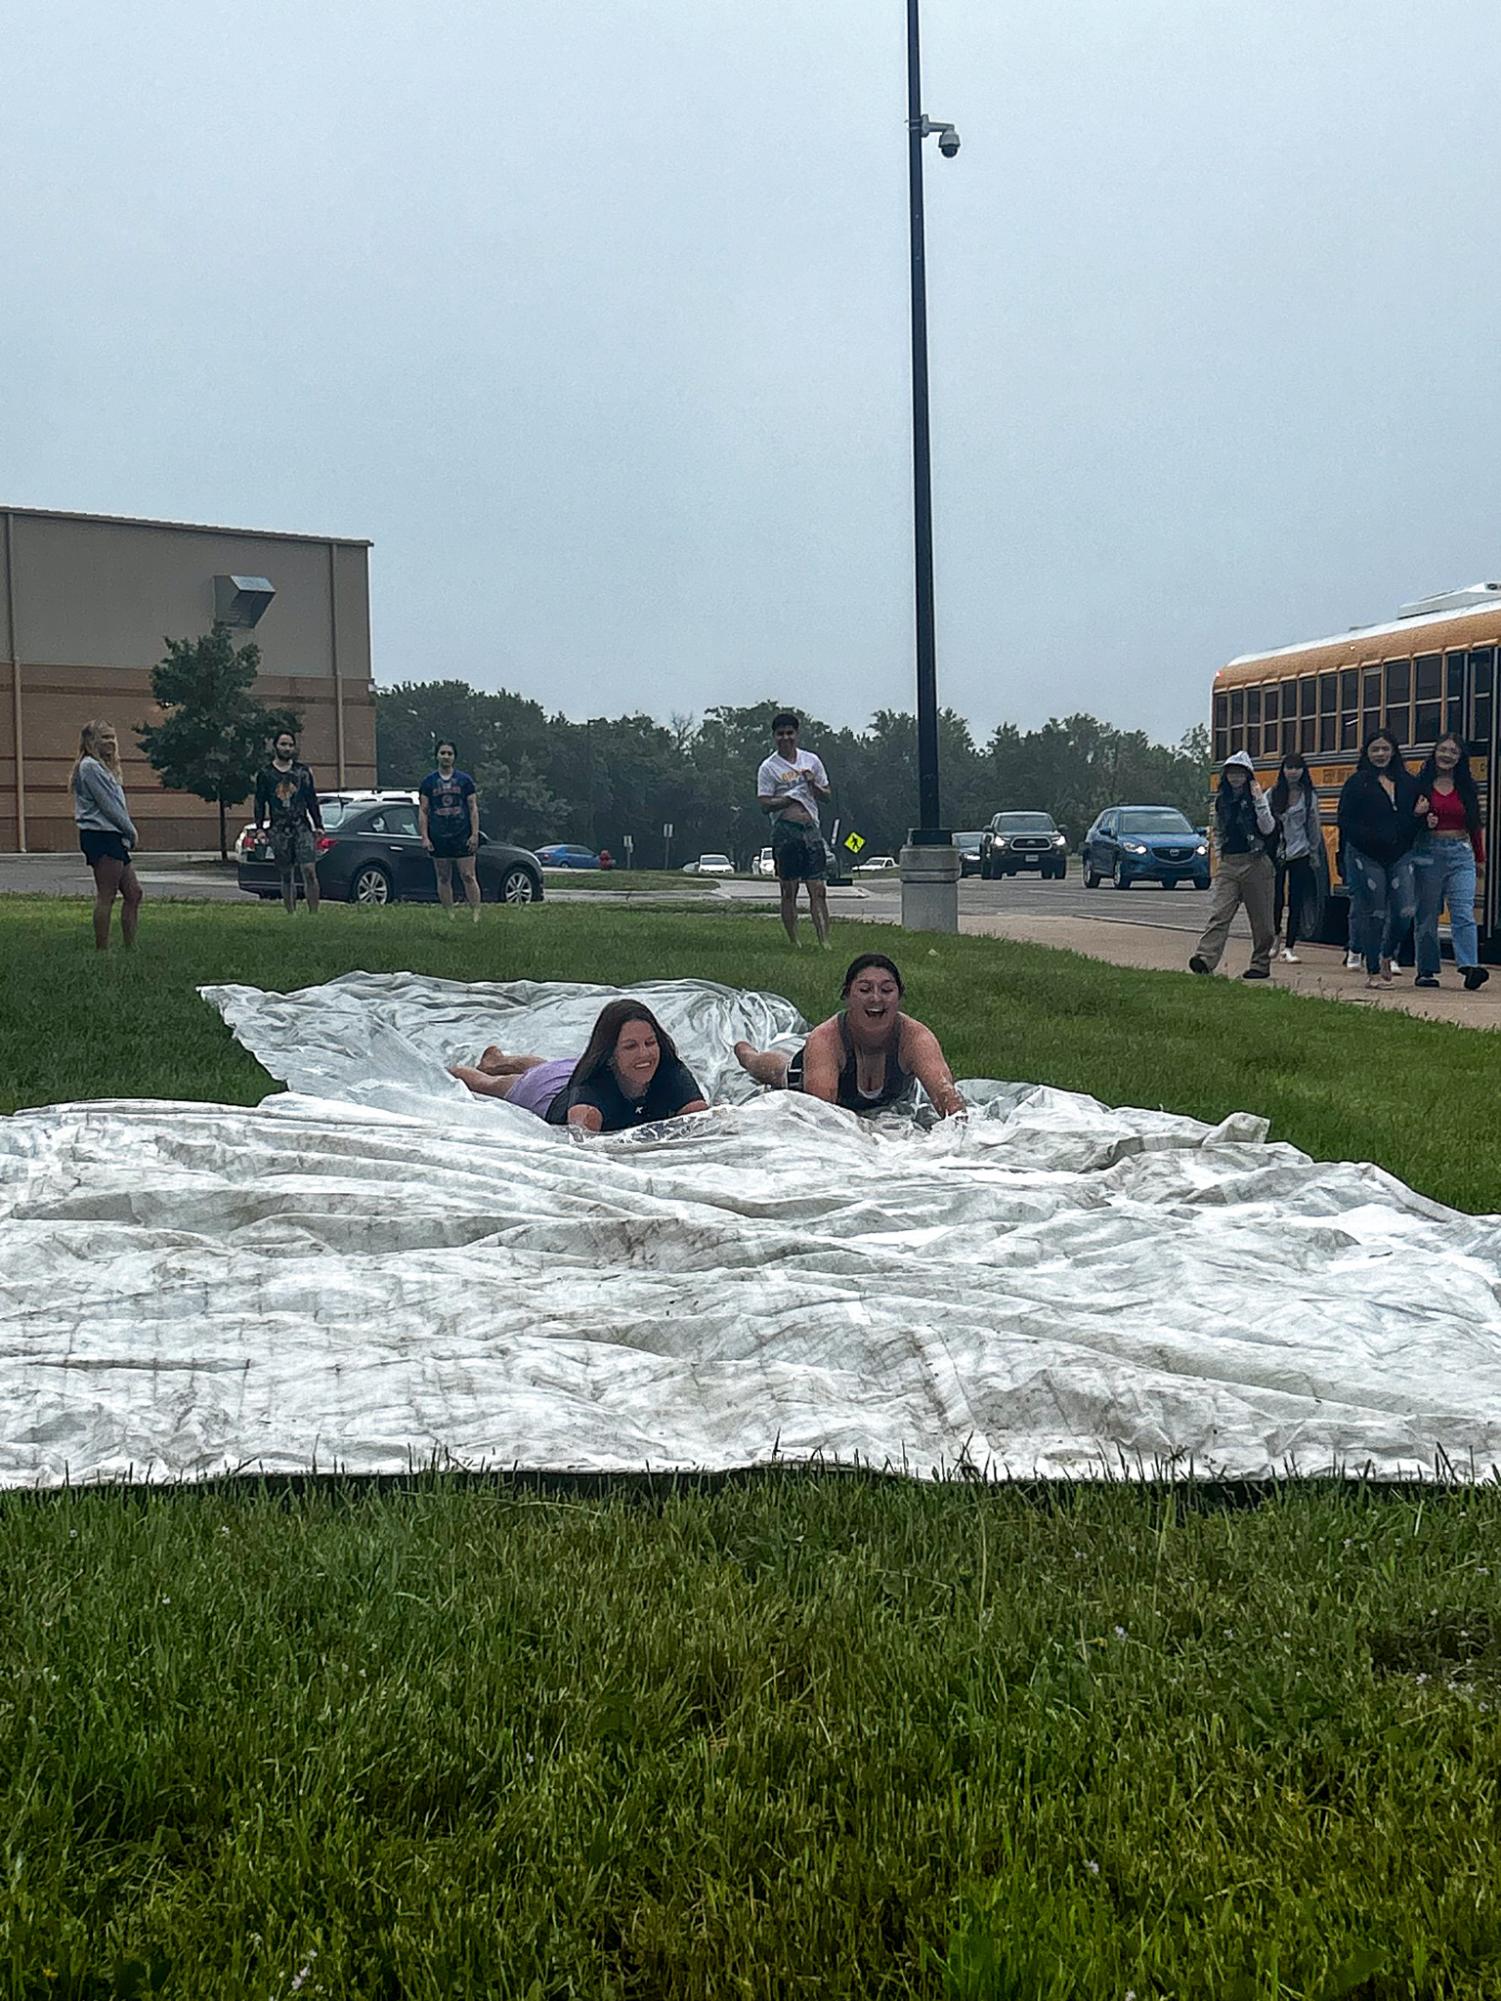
(448, 821)
(1381, 812)
(1243, 870)
(1295, 808)
(286, 802)
(106, 832)
(866, 1058)
(1447, 856)
(789, 785)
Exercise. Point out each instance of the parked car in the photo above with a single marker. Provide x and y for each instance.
(370, 852)
(969, 851)
(763, 863)
(877, 865)
(244, 841)
(1016, 841)
(714, 865)
(1145, 844)
(567, 854)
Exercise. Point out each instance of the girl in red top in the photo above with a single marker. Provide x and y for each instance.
(1447, 858)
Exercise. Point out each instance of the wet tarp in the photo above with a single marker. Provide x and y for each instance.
(374, 1271)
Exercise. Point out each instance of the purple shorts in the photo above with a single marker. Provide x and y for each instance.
(535, 1089)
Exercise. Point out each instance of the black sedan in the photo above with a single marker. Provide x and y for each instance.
(371, 853)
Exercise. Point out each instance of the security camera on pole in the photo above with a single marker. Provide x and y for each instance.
(930, 861)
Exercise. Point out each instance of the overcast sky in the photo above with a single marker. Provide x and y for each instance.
(592, 314)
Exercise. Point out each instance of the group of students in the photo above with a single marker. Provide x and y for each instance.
(866, 1058)
(1409, 846)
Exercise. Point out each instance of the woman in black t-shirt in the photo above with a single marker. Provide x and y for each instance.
(630, 1075)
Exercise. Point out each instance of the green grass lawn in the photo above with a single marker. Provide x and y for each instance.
(775, 1737)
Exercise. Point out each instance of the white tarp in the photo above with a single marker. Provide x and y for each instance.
(376, 1271)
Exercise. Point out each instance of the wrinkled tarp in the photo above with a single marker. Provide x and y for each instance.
(375, 1271)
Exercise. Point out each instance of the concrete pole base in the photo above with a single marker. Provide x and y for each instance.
(930, 889)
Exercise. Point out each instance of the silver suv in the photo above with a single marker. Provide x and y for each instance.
(1016, 841)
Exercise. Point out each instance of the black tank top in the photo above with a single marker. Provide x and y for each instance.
(895, 1084)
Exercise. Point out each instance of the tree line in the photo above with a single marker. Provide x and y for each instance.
(547, 778)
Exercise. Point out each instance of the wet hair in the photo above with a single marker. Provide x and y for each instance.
(1282, 792)
(445, 743)
(1398, 762)
(786, 719)
(606, 1033)
(277, 735)
(88, 746)
(864, 964)
(1463, 777)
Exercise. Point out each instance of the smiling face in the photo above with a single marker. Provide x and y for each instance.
(785, 740)
(873, 1001)
(1379, 751)
(637, 1054)
(1236, 776)
(1446, 753)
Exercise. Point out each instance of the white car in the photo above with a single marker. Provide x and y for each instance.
(877, 865)
(710, 865)
(763, 863)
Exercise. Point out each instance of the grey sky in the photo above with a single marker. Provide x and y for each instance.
(593, 317)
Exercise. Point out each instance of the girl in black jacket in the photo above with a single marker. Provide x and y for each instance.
(1381, 810)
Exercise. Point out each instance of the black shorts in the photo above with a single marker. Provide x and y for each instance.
(445, 851)
(102, 844)
(800, 855)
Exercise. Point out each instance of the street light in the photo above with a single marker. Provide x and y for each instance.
(930, 861)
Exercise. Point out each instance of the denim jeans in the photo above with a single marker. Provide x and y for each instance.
(1446, 875)
(1383, 901)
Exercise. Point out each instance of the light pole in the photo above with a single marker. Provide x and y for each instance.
(930, 861)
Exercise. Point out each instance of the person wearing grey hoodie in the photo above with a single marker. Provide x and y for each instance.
(1243, 870)
(1295, 808)
(106, 832)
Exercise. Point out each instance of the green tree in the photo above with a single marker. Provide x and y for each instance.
(213, 733)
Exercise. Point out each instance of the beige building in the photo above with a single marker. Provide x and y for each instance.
(87, 602)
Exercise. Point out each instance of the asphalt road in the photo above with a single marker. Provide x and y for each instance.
(180, 876)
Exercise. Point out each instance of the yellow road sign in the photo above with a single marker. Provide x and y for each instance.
(854, 842)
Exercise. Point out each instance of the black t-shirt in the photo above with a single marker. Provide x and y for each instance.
(664, 1097)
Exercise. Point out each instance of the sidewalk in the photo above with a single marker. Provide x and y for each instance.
(1322, 971)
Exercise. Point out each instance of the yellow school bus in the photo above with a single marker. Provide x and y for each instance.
(1430, 671)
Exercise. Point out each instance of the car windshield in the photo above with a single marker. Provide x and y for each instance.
(1146, 820)
(967, 840)
(718, 861)
(1024, 823)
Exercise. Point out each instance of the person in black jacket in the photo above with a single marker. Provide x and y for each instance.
(1381, 810)
(1243, 872)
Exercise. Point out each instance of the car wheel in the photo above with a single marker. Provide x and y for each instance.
(1198, 884)
(1119, 877)
(1091, 877)
(371, 884)
(518, 885)
(984, 868)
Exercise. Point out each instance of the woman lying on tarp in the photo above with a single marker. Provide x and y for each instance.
(867, 1058)
(630, 1075)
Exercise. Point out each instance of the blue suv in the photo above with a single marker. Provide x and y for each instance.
(1145, 844)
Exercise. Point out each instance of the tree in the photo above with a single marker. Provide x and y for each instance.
(213, 734)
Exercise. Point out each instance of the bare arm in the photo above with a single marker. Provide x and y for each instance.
(923, 1056)
(474, 818)
(422, 819)
(822, 1054)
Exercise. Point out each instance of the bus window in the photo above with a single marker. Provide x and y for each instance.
(1237, 719)
(1428, 698)
(1328, 720)
(1398, 717)
(1221, 728)
(1482, 676)
(1307, 726)
(1370, 701)
(1271, 712)
(1289, 736)
(1349, 707)
(1454, 698)
(1253, 721)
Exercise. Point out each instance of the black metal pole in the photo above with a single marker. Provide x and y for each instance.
(929, 833)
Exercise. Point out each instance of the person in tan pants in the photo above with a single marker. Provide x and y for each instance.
(1244, 873)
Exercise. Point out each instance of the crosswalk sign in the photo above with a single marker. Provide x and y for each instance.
(854, 842)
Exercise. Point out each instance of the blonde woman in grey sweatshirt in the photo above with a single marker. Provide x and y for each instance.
(106, 832)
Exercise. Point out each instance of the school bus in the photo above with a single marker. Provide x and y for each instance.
(1430, 671)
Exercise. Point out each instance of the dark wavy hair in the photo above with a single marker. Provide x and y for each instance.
(863, 965)
(1464, 780)
(1398, 763)
(606, 1033)
(1281, 793)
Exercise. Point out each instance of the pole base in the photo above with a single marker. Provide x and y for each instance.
(930, 888)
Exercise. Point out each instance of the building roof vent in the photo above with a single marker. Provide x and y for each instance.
(1473, 597)
(241, 601)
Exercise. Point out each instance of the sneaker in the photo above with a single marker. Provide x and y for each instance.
(1475, 976)
(1290, 957)
(1426, 980)
(1256, 973)
(1198, 965)
(1373, 979)
(1353, 962)
(1388, 972)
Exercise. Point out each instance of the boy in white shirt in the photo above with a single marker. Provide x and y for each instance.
(789, 785)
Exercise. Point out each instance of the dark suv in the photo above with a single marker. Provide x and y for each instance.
(1015, 841)
(1145, 844)
(370, 852)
